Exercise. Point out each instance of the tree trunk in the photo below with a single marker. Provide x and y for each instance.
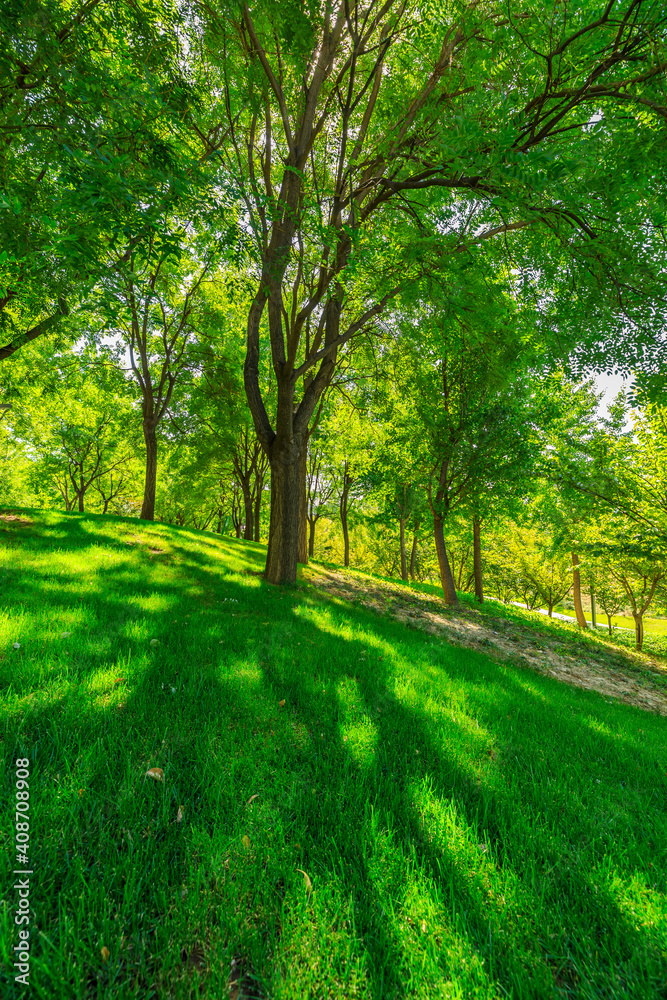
(281, 557)
(594, 623)
(576, 592)
(248, 513)
(609, 625)
(81, 492)
(551, 610)
(302, 555)
(343, 515)
(258, 505)
(639, 630)
(148, 506)
(413, 556)
(311, 537)
(477, 559)
(446, 578)
(346, 538)
(404, 561)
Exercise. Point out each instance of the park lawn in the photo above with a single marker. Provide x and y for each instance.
(658, 626)
(349, 808)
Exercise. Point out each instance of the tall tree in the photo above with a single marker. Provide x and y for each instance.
(92, 104)
(358, 173)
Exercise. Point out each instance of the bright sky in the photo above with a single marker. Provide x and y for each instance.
(610, 385)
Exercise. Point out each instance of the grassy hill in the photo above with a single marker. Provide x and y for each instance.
(347, 804)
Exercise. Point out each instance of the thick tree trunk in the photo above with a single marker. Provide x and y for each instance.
(446, 578)
(311, 537)
(302, 555)
(404, 560)
(80, 495)
(639, 631)
(148, 506)
(551, 610)
(281, 558)
(413, 556)
(477, 559)
(576, 592)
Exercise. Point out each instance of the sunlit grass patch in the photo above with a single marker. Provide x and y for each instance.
(345, 808)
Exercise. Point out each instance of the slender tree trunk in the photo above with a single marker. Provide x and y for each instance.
(148, 506)
(81, 500)
(281, 558)
(477, 559)
(343, 516)
(346, 538)
(311, 537)
(413, 556)
(248, 514)
(258, 506)
(404, 560)
(302, 555)
(446, 578)
(594, 622)
(551, 610)
(639, 630)
(576, 592)
(609, 625)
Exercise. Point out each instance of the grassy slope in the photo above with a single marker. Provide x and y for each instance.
(469, 829)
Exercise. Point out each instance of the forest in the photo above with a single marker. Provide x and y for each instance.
(342, 282)
(248, 287)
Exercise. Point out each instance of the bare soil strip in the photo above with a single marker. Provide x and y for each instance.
(613, 672)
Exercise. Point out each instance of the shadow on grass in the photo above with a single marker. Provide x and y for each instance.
(396, 828)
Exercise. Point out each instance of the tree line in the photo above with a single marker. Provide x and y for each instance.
(229, 230)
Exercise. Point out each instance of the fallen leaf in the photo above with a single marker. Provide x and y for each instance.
(423, 927)
(81, 791)
(306, 881)
(281, 703)
(179, 815)
(104, 952)
(252, 798)
(246, 843)
(156, 773)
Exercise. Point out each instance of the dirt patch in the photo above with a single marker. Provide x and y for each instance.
(15, 519)
(624, 676)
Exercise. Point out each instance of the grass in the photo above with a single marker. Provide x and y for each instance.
(466, 829)
(657, 626)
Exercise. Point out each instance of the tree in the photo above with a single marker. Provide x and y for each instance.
(638, 563)
(320, 487)
(546, 569)
(609, 594)
(77, 427)
(357, 174)
(95, 149)
(153, 307)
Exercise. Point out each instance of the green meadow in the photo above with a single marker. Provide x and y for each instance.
(344, 808)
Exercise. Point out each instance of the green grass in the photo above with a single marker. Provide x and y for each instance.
(658, 626)
(469, 830)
